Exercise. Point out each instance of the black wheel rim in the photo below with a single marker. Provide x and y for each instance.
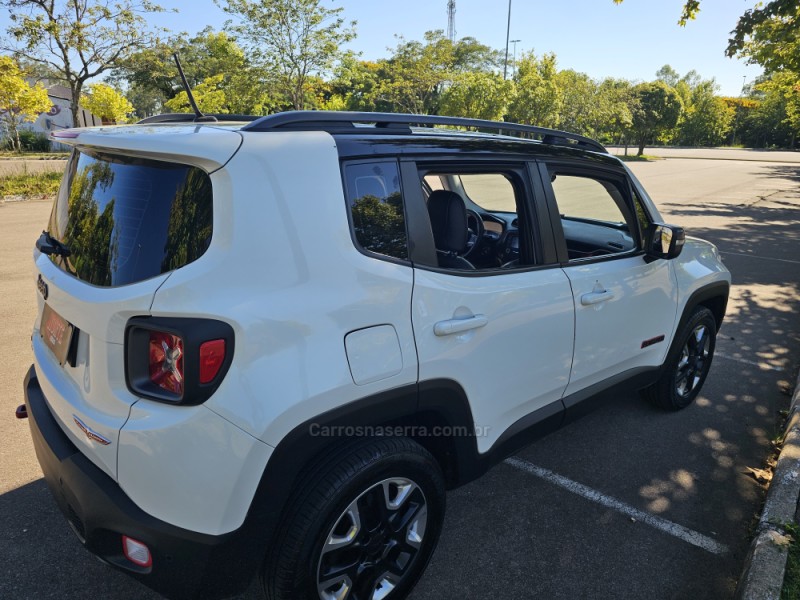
(374, 542)
(693, 361)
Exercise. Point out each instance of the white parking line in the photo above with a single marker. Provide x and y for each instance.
(786, 260)
(673, 529)
(760, 365)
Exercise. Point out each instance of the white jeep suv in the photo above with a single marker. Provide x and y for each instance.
(268, 346)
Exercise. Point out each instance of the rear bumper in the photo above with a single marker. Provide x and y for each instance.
(185, 564)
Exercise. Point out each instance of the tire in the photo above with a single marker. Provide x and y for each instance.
(687, 363)
(362, 524)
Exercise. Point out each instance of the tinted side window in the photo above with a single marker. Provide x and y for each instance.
(375, 202)
(594, 216)
(588, 199)
(477, 217)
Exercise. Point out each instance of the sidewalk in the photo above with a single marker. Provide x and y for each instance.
(765, 565)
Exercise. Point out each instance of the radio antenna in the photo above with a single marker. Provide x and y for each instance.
(199, 117)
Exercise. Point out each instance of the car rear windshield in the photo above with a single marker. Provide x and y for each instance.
(125, 219)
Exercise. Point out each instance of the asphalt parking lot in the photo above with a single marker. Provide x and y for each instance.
(628, 502)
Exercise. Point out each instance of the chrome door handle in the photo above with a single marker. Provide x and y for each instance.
(451, 326)
(596, 297)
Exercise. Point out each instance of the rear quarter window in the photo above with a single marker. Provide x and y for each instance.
(375, 202)
(126, 220)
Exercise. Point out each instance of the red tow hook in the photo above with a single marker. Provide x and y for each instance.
(21, 412)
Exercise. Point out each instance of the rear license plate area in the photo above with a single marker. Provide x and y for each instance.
(57, 334)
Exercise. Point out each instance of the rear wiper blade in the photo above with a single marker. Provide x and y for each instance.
(47, 244)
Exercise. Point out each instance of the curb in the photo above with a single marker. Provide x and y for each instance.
(765, 564)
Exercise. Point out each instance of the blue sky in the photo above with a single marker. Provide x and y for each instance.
(596, 37)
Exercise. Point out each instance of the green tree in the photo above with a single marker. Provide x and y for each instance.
(668, 75)
(579, 102)
(355, 86)
(152, 79)
(742, 109)
(19, 101)
(78, 39)
(107, 103)
(208, 95)
(295, 39)
(538, 99)
(656, 109)
(614, 117)
(416, 75)
(770, 36)
(707, 118)
(478, 95)
(785, 88)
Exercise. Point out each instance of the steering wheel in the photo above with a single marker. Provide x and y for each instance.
(476, 230)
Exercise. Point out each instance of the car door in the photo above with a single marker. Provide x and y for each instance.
(502, 330)
(625, 303)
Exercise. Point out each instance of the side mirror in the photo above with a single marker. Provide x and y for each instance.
(664, 241)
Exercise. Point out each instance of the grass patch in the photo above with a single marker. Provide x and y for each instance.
(33, 184)
(791, 581)
(8, 154)
(634, 158)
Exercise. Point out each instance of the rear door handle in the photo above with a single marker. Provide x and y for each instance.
(451, 326)
(596, 297)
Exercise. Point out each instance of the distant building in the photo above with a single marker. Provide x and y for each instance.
(60, 115)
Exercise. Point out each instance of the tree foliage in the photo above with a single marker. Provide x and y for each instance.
(209, 96)
(707, 118)
(107, 103)
(294, 39)
(152, 77)
(78, 39)
(478, 95)
(784, 89)
(537, 101)
(417, 73)
(770, 36)
(657, 108)
(19, 101)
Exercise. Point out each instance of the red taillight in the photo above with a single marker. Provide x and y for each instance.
(166, 361)
(212, 355)
(175, 359)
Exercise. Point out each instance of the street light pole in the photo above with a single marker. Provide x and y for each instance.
(514, 59)
(508, 35)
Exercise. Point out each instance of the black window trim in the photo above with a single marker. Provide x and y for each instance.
(408, 262)
(418, 221)
(618, 176)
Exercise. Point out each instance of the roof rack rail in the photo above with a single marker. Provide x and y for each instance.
(190, 117)
(348, 122)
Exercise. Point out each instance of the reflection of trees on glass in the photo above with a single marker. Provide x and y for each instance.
(379, 225)
(190, 221)
(88, 233)
(125, 220)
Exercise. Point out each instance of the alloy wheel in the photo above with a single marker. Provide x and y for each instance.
(693, 361)
(374, 542)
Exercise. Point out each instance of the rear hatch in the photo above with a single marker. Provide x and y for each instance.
(123, 220)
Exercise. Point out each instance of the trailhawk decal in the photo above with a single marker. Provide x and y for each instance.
(90, 433)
